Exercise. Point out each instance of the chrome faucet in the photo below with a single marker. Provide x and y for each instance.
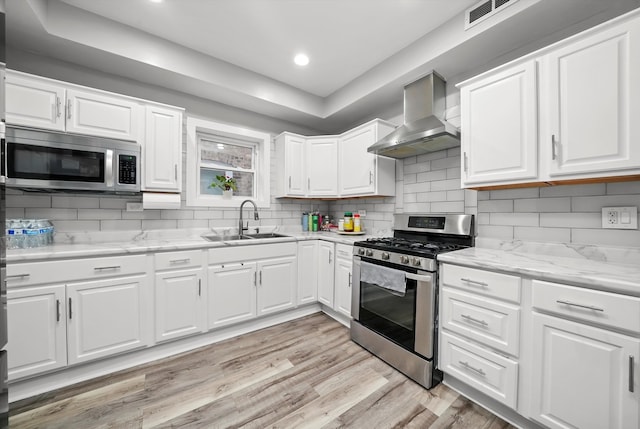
(241, 227)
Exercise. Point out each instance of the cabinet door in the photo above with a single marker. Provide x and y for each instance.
(326, 279)
(105, 317)
(307, 271)
(34, 102)
(103, 115)
(322, 166)
(231, 293)
(294, 166)
(276, 285)
(500, 127)
(590, 90)
(357, 166)
(343, 286)
(162, 149)
(37, 330)
(180, 304)
(584, 377)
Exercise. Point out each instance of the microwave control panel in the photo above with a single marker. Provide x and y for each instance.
(127, 169)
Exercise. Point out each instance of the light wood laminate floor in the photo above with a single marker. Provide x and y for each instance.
(304, 373)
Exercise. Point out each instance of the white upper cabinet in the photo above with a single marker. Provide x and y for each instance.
(322, 166)
(38, 102)
(99, 114)
(162, 149)
(361, 172)
(585, 90)
(508, 151)
(34, 102)
(334, 166)
(591, 91)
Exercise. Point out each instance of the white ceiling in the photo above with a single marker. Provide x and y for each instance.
(240, 52)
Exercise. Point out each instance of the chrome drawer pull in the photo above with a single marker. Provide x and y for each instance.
(471, 319)
(114, 267)
(476, 370)
(573, 304)
(475, 282)
(18, 276)
(180, 261)
(631, 373)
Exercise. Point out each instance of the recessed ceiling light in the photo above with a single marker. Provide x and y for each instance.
(156, 1)
(301, 60)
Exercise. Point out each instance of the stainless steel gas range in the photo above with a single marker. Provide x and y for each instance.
(395, 291)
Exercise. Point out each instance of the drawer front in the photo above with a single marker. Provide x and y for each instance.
(222, 255)
(49, 272)
(174, 260)
(344, 251)
(496, 285)
(486, 321)
(488, 372)
(603, 308)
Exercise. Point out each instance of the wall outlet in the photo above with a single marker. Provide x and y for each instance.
(620, 217)
(134, 207)
(362, 213)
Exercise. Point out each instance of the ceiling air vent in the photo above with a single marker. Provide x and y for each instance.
(483, 10)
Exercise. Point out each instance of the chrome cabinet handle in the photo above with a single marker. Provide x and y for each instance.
(553, 146)
(474, 320)
(465, 162)
(180, 261)
(255, 278)
(308, 183)
(57, 310)
(70, 310)
(631, 367)
(475, 282)
(289, 182)
(18, 276)
(349, 279)
(370, 177)
(57, 107)
(474, 369)
(199, 287)
(330, 255)
(573, 304)
(114, 267)
(175, 171)
(260, 277)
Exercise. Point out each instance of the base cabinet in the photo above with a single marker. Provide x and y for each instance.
(326, 279)
(343, 278)
(276, 290)
(231, 293)
(307, 272)
(584, 377)
(36, 329)
(180, 304)
(105, 317)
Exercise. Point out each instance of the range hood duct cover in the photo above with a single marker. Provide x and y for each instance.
(424, 129)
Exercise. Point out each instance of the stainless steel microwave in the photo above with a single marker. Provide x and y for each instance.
(46, 160)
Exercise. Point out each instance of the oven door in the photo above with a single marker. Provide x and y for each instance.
(407, 319)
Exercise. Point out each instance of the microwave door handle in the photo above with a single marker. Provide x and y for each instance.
(109, 168)
(4, 167)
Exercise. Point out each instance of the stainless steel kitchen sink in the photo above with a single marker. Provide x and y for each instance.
(242, 237)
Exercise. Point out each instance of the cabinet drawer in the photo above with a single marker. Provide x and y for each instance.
(344, 251)
(603, 308)
(494, 375)
(173, 260)
(489, 322)
(496, 285)
(33, 273)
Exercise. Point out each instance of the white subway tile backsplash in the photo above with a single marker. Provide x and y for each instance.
(410, 178)
(561, 204)
(445, 185)
(60, 201)
(431, 176)
(483, 218)
(52, 214)
(495, 206)
(573, 190)
(432, 156)
(570, 220)
(457, 195)
(117, 203)
(542, 235)
(515, 219)
(453, 173)
(417, 208)
(417, 187)
(426, 197)
(99, 214)
(595, 203)
(444, 163)
(176, 214)
(28, 200)
(495, 231)
(159, 224)
(606, 237)
(410, 160)
(416, 168)
(76, 225)
(145, 214)
(623, 188)
(121, 225)
(15, 213)
(191, 223)
(470, 197)
(508, 194)
(447, 207)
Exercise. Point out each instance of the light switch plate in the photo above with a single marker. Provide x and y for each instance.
(620, 217)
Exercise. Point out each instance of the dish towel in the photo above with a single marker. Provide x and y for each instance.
(387, 278)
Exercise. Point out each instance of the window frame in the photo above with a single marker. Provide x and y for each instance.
(262, 162)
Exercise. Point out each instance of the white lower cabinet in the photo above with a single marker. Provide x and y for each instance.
(180, 295)
(242, 283)
(326, 263)
(307, 272)
(343, 277)
(37, 330)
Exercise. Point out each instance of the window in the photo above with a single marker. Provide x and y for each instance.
(215, 149)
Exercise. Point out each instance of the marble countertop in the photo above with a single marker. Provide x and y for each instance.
(594, 274)
(160, 241)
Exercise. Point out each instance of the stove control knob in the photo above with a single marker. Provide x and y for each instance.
(369, 252)
(404, 259)
(416, 262)
(385, 256)
(361, 251)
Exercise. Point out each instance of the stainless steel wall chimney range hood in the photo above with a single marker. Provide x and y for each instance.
(424, 129)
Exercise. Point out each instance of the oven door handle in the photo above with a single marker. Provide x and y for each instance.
(419, 277)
